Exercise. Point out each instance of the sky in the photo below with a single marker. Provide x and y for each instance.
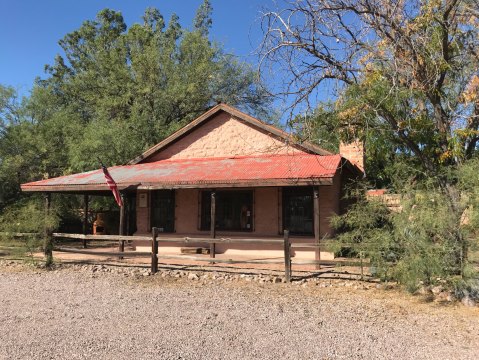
(30, 29)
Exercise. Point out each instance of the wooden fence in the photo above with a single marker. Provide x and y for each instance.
(155, 240)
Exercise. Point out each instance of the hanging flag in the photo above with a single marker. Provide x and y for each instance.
(112, 185)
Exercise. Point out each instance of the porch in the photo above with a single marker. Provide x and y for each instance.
(241, 246)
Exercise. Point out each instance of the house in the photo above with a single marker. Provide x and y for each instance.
(254, 178)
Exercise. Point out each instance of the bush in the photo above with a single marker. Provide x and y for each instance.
(467, 288)
(27, 216)
(429, 239)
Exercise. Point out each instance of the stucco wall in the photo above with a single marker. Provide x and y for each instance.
(329, 201)
(266, 211)
(223, 136)
(267, 214)
(186, 217)
(142, 214)
(267, 220)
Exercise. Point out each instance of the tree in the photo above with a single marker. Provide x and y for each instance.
(407, 69)
(406, 81)
(115, 91)
(124, 89)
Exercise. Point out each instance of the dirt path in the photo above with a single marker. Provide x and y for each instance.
(72, 314)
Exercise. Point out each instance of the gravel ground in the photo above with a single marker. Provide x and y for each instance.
(73, 313)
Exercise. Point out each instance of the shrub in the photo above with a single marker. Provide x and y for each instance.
(429, 239)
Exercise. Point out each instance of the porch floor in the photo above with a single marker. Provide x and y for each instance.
(248, 250)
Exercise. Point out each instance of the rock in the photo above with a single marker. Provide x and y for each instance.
(276, 280)
(193, 276)
(467, 301)
(436, 290)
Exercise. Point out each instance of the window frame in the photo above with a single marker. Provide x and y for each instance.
(204, 209)
(172, 194)
(304, 191)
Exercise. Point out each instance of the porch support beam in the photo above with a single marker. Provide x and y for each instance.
(317, 227)
(48, 241)
(213, 224)
(121, 231)
(85, 218)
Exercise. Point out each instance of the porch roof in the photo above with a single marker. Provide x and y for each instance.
(241, 171)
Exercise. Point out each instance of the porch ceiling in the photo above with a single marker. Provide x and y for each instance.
(242, 171)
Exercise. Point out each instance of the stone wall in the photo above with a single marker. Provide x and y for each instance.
(223, 136)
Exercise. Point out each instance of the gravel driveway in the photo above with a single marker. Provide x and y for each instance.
(71, 314)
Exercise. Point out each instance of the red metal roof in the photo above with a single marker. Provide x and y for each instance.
(266, 170)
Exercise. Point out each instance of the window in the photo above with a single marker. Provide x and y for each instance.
(163, 210)
(234, 210)
(298, 210)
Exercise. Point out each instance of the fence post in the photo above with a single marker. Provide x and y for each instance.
(287, 257)
(362, 268)
(154, 250)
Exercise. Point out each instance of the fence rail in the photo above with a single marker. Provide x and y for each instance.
(102, 237)
(156, 241)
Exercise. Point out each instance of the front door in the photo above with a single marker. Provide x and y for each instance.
(298, 210)
(163, 210)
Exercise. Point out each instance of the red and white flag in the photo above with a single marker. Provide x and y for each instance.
(112, 185)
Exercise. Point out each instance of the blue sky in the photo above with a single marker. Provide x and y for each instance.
(30, 29)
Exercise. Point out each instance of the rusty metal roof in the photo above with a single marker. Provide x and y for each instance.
(240, 171)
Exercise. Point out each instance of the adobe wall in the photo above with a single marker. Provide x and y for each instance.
(187, 206)
(266, 217)
(143, 214)
(223, 136)
(329, 205)
(267, 210)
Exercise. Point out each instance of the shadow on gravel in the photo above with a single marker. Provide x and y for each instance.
(326, 273)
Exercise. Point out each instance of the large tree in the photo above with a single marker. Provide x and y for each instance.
(126, 89)
(404, 77)
(115, 91)
(402, 70)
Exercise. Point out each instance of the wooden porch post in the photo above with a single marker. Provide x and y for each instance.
(85, 218)
(121, 244)
(316, 221)
(213, 224)
(48, 242)
(128, 214)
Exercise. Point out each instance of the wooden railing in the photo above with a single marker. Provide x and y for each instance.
(155, 240)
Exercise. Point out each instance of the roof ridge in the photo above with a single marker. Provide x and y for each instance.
(231, 157)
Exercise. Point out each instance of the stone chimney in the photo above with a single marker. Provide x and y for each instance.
(354, 152)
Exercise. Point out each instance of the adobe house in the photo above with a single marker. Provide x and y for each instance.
(252, 176)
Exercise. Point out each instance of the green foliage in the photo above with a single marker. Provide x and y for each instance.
(431, 238)
(467, 288)
(28, 216)
(119, 90)
(114, 92)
